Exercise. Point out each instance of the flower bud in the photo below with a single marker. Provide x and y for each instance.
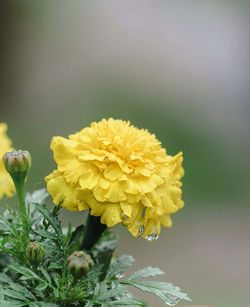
(79, 264)
(35, 253)
(17, 163)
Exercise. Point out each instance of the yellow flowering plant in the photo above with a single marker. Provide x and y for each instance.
(6, 184)
(120, 173)
(116, 172)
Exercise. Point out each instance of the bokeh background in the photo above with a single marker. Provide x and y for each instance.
(180, 69)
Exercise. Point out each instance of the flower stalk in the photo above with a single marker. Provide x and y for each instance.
(18, 164)
(23, 213)
(93, 231)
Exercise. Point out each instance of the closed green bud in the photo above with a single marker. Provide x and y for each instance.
(17, 163)
(35, 253)
(79, 264)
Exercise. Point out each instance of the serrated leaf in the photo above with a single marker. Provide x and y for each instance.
(13, 294)
(146, 272)
(15, 286)
(104, 294)
(5, 278)
(52, 219)
(168, 293)
(46, 275)
(27, 273)
(46, 234)
(119, 266)
(37, 196)
(55, 266)
(5, 227)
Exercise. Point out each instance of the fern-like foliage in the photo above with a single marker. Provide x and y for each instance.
(50, 284)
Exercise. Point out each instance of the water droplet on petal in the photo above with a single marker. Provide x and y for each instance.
(141, 230)
(125, 217)
(152, 237)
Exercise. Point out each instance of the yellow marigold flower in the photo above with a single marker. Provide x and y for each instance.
(6, 183)
(119, 172)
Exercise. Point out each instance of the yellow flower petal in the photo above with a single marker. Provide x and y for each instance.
(64, 194)
(6, 184)
(121, 173)
(152, 229)
(111, 215)
(113, 172)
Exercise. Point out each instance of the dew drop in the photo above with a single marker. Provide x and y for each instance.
(141, 230)
(119, 275)
(172, 300)
(125, 217)
(152, 237)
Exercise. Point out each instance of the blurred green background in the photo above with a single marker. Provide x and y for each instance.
(179, 69)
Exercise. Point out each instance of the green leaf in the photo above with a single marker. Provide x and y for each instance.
(44, 304)
(119, 266)
(5, 278)
(104, 249)
(15, 286)
(27, 273)
(57, 279)
(75, 236)
(108, 241)
(37, 196)
(13, 294)
(168, 293)
(5, 227)
(55, 266)
(146, 272)
(129, 303)
(103, 293)
(52, 219)
(46, 275)
(41, 287)
(45, 234)
(4, 303)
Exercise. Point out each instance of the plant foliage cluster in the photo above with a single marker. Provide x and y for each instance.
(50, 283)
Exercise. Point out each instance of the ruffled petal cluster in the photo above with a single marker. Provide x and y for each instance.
(6, 183)
(119, 172)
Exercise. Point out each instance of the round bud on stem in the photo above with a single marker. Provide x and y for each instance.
(79, 264)
(35, 253)
(17, 163)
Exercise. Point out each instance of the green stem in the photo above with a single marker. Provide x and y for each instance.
(23, 213)
(93, 231)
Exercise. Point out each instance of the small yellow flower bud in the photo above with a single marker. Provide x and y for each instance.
(79, 264)
(35, 253)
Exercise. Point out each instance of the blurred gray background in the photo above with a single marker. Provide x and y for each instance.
(178, 68)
